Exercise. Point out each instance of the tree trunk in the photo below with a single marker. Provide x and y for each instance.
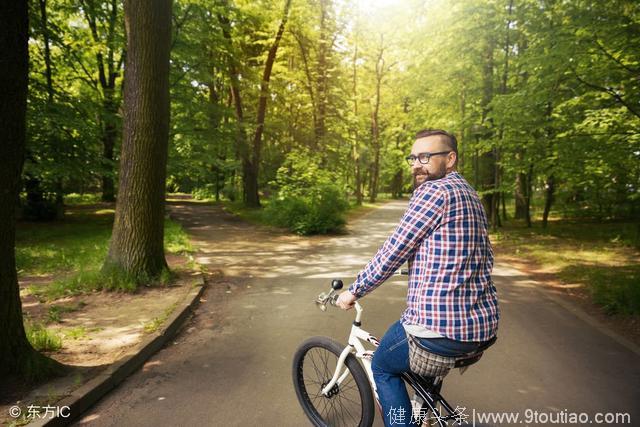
(375, 173)
(354, 149)
(487, 161)
(375, 126)
(548, 199)
(252, 168)
(498, 194)
(39, 206)
(214, 124)
(17, 358)
(529, 190)
(322, 78)
(396, 184)
(241, 145)
(108, 70)
(520, 195)
(137, 243)
(310, 86)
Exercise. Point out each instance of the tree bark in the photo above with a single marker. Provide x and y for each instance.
(17, 357)
(137, 243)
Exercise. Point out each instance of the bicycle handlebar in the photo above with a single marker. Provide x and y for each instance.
(336, 284)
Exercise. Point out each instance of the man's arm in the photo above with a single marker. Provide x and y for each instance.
(419, 220)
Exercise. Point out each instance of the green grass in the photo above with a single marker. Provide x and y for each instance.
(73, 251)
(81, 199)
(42, 339)
(602, 257)
(75, 333)
(57, 247)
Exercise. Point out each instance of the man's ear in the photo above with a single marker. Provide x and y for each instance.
(452, 158)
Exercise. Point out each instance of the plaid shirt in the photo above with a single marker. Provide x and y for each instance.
(443, 236)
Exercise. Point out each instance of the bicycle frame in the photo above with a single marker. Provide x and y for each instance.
(429, 392)
(365, 356)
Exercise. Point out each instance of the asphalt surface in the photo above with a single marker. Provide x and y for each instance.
(231, 365)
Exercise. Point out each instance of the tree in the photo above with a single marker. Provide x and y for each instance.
(137, 246)
(250, 153)
(109, 58)
(17, 357)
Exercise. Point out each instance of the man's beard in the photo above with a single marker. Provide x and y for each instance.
(440, 173)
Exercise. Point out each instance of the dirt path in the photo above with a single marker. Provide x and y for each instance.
(232, 364)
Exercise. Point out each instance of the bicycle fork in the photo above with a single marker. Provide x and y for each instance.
(337, 376)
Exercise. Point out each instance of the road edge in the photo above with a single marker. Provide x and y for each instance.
(87, 395)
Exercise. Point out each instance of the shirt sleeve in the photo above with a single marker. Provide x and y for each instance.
(419, 220)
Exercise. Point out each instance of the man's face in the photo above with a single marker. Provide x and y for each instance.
(438, 166)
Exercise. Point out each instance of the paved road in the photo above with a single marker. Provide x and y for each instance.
(232, 364)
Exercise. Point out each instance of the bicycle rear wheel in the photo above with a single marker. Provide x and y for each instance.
(347, 404)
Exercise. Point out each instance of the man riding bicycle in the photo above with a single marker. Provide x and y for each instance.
(452, 305)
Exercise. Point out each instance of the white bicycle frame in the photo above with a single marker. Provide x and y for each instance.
(356, 337)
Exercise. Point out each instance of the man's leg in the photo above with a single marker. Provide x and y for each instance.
(390, 360)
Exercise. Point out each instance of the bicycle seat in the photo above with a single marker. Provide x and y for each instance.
(472, 358)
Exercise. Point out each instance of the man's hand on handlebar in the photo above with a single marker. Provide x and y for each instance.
(346, 300)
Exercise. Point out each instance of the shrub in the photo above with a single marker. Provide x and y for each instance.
(309, 200)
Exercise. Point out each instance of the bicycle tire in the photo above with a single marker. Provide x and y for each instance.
(350, 404)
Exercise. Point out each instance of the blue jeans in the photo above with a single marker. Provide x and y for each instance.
(391, 359)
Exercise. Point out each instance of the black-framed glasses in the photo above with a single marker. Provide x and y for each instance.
(423, 158)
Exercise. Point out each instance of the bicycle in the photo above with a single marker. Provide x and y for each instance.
(332, 397)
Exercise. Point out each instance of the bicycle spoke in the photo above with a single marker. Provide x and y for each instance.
(318, 372)
(344, 409)
(343, 406)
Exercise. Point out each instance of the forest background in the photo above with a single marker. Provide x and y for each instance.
(292, 111)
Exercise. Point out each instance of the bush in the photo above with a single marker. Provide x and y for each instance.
(308, 201)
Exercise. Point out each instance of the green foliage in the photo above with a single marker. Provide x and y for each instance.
(73, 250)
(79, 241)
(616, 289)
(74, 199)
(42, 339)
(308, 201)
(600, 257)
(176, 239)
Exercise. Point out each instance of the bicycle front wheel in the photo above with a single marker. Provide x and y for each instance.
(349, 403)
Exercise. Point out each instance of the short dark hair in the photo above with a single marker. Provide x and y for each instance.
(451, 140)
